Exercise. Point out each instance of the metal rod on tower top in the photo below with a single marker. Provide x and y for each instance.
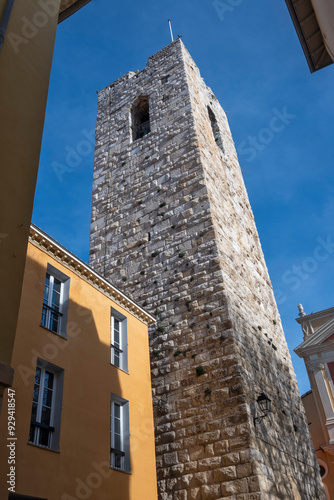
(170, 27)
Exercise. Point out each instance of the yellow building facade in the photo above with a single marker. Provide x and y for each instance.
(27, 38)
(77, 422)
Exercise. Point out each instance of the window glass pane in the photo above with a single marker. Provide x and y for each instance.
(48, 380)
(44, 437)
(46, 415)
(117, 410)
(118, 462)
(117, 426)
(44, 314)
(54, 322)
(46, 289)
(117, 442)
(38, 376)
(56, 285)
(32, 434)
(47, 397)
(55, 300)
(116, 359)
(36, 392)
(34, 412)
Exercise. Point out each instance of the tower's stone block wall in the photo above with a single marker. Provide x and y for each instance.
(172, 225)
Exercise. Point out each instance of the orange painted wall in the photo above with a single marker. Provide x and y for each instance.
(89, 379)
(314, 419)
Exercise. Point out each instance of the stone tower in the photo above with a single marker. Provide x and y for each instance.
(172, 226)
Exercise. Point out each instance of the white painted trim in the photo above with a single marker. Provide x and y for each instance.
(316, 339)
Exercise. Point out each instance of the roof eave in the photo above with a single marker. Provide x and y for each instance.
(72, 10)
(300, 35)
(314, 62)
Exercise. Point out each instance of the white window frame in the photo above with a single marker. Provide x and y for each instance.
(54, 425)
(120, 455)
(47, 310)
(120, 347)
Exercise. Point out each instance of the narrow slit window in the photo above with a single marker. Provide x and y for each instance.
(118, 340)
(215, 129)
(55, 301)
(140, 118)
(46, 406)
(119, 434)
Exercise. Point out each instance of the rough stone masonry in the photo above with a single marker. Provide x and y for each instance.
(172, 226)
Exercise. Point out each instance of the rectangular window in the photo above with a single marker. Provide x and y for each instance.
(118, 340)
(46, 405)
(55, 301)
(119, 434)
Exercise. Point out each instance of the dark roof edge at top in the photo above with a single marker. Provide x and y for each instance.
(72, 10)
(300, 34)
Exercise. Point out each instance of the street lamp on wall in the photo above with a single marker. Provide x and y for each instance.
(264, 404)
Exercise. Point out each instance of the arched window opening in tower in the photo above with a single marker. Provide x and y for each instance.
(140, 118)
(215, 129)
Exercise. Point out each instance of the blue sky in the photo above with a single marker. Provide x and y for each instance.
(280, 115)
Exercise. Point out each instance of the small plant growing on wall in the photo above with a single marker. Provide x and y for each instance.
(199, 371)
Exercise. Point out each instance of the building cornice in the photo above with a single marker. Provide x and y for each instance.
(316, 340)
(316, 315)
(304, 352)
(48, 245)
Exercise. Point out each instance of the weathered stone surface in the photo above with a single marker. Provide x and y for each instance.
(234, 487)
(172, 226)
(225, 474)
(211, 492)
